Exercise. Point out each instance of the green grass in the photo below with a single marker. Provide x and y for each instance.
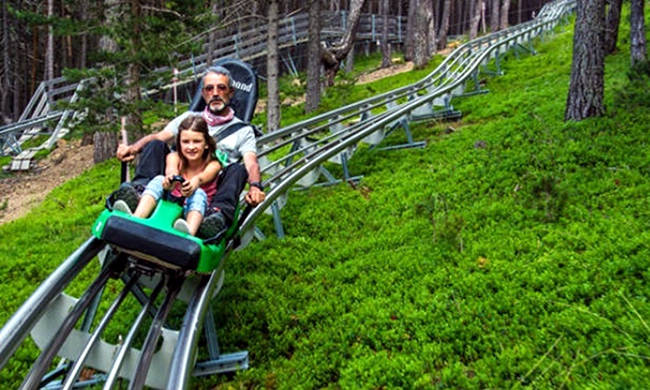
(5, 160)
(518, 261)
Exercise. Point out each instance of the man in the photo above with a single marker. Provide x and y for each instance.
(217, 91)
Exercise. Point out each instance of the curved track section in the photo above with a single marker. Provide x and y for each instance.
(333, 136)
(292, 155)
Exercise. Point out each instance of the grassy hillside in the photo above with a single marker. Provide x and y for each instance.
(512, 251)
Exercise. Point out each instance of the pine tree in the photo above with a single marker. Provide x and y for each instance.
(637, 33)
(273, 101)
(312, 96)
(585, 98)
(137, 39)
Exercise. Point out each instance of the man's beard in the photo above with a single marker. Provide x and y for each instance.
(218, 108)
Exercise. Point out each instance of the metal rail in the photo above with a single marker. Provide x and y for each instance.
(174, 283)
(122, 351)
(41, 365)
(350, 124)
(181, 368)
(74, 372)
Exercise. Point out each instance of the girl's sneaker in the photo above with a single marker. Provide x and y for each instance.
(181, 225)
(121, 205)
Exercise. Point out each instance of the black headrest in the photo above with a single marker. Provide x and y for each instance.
(244, 80)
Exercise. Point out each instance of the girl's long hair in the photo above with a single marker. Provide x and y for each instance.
(198, 124)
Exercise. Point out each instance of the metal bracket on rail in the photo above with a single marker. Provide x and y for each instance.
(375, 137)
(218, 362)
(337, 127)
(236, 40)
(346, 171)
(277, 221)
(477, 86)
(400, 122)
(404, 123)
(518, 48)
(311, 178)
(429, 112)
(497, 62)
(274, 212)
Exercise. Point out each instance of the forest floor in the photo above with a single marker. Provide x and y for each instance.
(24, 190)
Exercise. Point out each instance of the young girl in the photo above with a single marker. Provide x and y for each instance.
(195, 162)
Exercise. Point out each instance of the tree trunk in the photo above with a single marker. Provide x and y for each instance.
(49, 49)
(494, 16)
(458, 9)
(505, 9)
(83, 52)
(20, 66)
(471, 6)
(409, 40)
(420, 34)
(273, 100)
(444, 25)
(331, 58)
(351, 28)
(386, 60)
(611, 25)
(35, 59)
(431, 29)
(106, 43)
(349, 60)
(637, 33)
(17, 96)
(518, 11)
(312, 98)
(212, 35)
(105, 146)
(483, 6)
(6, 67)
(437, 5)
(476, 18)
(585, 98)
(133, 95)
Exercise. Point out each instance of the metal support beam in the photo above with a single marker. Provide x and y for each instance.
(277, 221)
(403, 122)
(210, 331)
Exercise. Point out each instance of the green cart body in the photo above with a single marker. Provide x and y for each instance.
(155, 240)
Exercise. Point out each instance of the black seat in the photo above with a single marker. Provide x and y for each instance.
(244, 79)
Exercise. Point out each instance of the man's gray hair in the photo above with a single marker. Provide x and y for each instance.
(220, 70)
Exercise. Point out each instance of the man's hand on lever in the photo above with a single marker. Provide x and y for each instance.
(255, 195)
(125, 153)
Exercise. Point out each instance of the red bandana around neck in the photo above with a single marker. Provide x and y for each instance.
(216, 120)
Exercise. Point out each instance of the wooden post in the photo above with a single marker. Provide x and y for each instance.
(125, 138)
(175, 93)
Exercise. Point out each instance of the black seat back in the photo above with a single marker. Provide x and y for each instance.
(244, 80)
